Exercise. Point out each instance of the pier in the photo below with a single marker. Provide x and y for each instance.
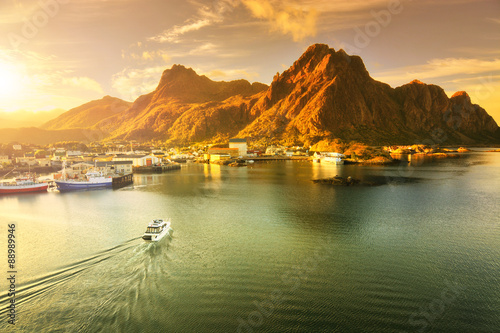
(121, 181)
(156, 168)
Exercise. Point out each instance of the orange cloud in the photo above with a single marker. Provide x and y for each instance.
(297, 22)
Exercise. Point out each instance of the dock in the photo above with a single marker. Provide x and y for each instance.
(121, 181)
(156, 168)
(276, 158)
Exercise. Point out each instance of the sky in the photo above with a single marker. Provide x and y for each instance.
(63, 53)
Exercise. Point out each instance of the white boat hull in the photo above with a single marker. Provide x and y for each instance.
(157, 231)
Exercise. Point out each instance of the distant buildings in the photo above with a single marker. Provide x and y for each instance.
(5, 159)
(274, 150)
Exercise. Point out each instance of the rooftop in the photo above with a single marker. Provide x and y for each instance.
(238, 140)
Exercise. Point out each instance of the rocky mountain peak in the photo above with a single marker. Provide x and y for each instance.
(461, 97)
(319, 65)
(184, 85)
(460, 94)
(417, 82)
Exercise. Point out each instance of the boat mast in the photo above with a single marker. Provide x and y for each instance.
(14, 168)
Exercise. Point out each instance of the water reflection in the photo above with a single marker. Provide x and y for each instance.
(239, 230)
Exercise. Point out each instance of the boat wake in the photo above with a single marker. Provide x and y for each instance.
(82, 293)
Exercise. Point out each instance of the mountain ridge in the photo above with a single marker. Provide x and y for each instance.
(88, 114)
(325, 94)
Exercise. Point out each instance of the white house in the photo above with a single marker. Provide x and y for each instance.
(334, 158)
(26, 161)
(73, 153)
(241, 144)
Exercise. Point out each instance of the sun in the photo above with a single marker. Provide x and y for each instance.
(10, 80)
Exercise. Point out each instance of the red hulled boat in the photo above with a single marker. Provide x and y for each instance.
(24, 184)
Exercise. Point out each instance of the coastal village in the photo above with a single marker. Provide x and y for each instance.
(123, 158)
(128, 157)
(120, 159)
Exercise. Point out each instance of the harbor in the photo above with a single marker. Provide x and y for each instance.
(260, 229)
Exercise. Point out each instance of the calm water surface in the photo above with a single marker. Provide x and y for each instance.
(263, 249)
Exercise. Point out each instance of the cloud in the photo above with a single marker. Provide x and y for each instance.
(205, 16)
(205, 48)
(494, 20)
(172, 35)
(83, 83)
(440, 68)
(147, 56)
(131, 83)
(229, 74)
(291, 20)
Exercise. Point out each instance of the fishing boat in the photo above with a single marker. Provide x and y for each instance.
(92, 180)
(25, 184)
(157, 229)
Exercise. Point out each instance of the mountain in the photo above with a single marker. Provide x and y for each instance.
(184, 107)
(88, 114)
(33, 135)
(24, 118)
(325, 94)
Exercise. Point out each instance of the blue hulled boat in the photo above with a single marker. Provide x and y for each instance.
(94, 180)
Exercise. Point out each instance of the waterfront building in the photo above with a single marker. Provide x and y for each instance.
(240, 144)
(219, 157)
(138, 160)
(334, 158)
(114, 167)
(233, 152)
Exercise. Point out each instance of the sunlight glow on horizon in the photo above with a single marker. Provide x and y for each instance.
(84, 52)
(11, 81)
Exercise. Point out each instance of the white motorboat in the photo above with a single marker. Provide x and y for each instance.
(157, 229)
